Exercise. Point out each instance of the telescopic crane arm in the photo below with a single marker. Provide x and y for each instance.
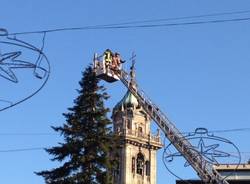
(203, 168)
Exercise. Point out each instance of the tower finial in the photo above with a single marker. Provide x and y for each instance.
(132, 70)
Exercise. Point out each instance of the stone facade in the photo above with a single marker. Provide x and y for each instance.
(138, 146)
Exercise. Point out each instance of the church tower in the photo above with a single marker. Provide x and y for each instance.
(137, 164)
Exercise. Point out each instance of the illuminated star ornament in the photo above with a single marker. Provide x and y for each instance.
(8, 62)
(21, 63)
(209, 152)
(208, 147)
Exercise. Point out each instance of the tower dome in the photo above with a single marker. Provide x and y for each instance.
(128, 100)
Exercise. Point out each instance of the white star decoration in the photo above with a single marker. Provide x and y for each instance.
(8, 62)
(207, 152)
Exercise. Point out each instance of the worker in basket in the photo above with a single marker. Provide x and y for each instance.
(108, 57)
(116, 62)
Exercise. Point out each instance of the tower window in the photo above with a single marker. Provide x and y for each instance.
(128, 124)
(140, 133)
(147, 165)
(140, 164)
(133, 165)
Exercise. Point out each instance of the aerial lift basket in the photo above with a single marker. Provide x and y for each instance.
(102, 71)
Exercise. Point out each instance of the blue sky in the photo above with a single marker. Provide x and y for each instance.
(199, 75)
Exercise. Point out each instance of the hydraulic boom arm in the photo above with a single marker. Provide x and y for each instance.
(204, 169)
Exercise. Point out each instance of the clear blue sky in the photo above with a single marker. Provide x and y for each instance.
(199, 75)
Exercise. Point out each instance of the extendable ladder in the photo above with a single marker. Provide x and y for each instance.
(203, 168)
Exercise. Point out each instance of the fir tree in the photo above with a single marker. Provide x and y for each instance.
(88, 139)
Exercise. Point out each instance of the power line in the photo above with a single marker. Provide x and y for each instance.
(22, 150)
(132, 24)
(42, 134)
(27, 134)
(183, 17)
(42, 149)
(223, 131)
(179, 24)
(230, 130)
(55, 134)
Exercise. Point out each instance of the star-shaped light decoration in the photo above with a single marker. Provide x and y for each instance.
(207, 149)
(209, 153)
(8, 62)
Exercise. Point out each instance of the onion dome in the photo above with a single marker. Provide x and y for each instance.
(127, 101)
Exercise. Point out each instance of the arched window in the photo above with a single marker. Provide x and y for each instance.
(147, 165)
(140, 164)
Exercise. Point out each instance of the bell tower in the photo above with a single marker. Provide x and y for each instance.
(137, 155)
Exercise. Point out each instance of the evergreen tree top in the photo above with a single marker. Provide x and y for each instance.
(88, 139)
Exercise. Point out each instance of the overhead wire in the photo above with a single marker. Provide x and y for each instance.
(43, 148)
(27, 134)
(229, 130)
(133, 24)
(223, 131)
(22, 149)
(50, 134)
